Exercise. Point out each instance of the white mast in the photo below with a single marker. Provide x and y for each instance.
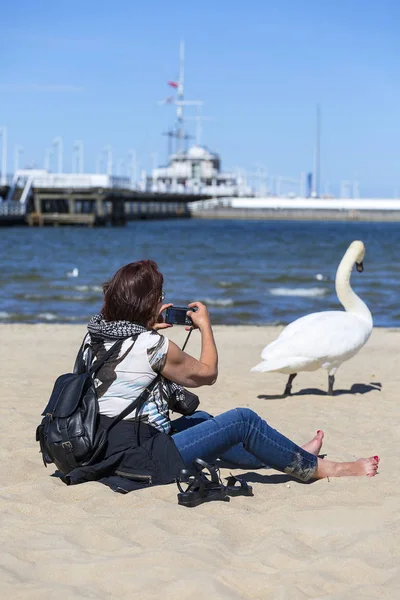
(179, 106)
(180, 102)
(3, 133)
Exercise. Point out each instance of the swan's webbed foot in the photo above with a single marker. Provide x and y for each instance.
(288, 388)
(331, 381)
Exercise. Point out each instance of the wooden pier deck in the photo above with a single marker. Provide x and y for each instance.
(93, 207)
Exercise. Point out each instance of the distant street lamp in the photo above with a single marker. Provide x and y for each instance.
(18, 150)
(78, 156)
(108, 151)
(58, 141)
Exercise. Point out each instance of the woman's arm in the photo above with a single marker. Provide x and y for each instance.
(183, 368)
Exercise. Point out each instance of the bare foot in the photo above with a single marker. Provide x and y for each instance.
(314, 446)
(362, 466)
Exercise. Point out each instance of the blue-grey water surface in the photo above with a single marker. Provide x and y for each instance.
(247, 272)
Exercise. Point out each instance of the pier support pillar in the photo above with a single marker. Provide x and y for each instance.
(37, 203)
(99, 206)
(71, 205)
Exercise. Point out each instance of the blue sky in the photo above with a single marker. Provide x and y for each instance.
(94, 70)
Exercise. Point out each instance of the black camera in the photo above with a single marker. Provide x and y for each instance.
(176, 315)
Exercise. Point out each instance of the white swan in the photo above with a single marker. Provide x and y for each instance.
(323, 339)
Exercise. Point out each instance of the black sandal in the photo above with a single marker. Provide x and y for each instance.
(243, 489)
(201, 488)
(231, 486)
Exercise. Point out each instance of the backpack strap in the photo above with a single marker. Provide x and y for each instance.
(83, 366)
(80, 366)
(137, 403)
(96, 366)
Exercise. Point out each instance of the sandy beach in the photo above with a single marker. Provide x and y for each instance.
(336, 539)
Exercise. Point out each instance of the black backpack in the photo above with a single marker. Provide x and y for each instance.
(70, 434)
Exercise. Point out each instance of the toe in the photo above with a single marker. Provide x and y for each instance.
(373, 467)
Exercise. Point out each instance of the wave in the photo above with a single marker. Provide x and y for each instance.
(78, 288)
(219, 301)
(76, 319)
(56, 298)
(230, 284)
(314, 292)
(4, 314)
(47, 316)
(294, 278)
(88, 288)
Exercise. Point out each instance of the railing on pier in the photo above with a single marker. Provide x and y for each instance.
(12, 209)
(153, 210)
(12, 213)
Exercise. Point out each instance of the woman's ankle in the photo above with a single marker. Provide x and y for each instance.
(325, 468)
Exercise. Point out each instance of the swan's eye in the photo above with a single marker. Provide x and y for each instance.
(360, 267)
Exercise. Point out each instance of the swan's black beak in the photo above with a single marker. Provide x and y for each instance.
(360, 267)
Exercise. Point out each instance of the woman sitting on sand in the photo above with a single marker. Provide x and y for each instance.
(159, 448)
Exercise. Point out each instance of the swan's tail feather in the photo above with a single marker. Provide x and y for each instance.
(262, 367)
(289, 365)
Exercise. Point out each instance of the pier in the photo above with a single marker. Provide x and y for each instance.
(87, 206)
(37, 198)
(298, 209)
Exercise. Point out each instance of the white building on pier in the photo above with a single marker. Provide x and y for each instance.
(197, 171)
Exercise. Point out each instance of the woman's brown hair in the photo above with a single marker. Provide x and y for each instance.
(133, 294)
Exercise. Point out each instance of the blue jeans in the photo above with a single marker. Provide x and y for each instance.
(241, 437)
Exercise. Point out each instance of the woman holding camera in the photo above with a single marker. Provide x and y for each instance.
(150, 448)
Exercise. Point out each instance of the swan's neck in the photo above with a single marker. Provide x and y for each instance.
(349, 299)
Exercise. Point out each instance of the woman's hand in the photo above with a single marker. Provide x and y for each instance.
(160, 323)
(185, 369)
(200, 317)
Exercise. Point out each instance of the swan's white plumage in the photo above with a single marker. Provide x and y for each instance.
(323, 339)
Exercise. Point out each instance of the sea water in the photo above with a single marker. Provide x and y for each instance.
(247, 272)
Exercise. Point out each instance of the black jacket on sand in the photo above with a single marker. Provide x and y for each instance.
(128, 466)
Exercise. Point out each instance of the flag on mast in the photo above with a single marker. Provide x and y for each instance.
(173, 84)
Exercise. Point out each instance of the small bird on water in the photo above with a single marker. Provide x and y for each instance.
(73, 273)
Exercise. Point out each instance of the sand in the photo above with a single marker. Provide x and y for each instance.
(336, 539)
